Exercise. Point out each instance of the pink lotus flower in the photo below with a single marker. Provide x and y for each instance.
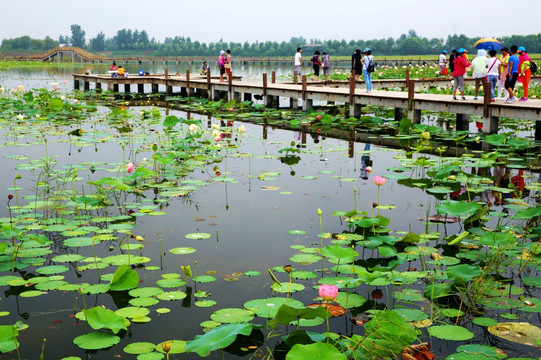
(379, 180)
(130, 167)
(328, 292)
(232, 109)
(56, 87)
(319, 117)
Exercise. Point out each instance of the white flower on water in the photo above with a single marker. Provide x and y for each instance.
(20, 117)
(215, 126)
(242, 129)
(75, 101)
(192, 128)
(62, 98)
(215, 133)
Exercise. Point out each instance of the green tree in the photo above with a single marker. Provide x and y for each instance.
(77, 36)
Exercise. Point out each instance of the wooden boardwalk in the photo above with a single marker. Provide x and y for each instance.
(410, 102)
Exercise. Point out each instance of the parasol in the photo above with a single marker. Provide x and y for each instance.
(488, 44)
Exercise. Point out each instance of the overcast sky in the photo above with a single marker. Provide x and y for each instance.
(236, 20)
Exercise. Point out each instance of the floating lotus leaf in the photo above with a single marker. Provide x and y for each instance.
(408, 295)
(144, 301)
(182, 250)
(177, 346)
(204, 279)
(139, 348)
(452, 313)
(50, 285)
(450, 332)
(96, 340)
(125, 259)
(286, 287)
(484, 321)
(463, 272)
(232, 315)
(198, 236)
(340, 281)
(170, 283)
(315, 351)
(96, 289)
(218, 338)
(252, 273)
(205, 303)
(297, 232)
(31, 293)
(4, 280)
(305, 258)
(172, 295)
(80, 241)
(52, 269)
(478, 351)
(132, 312)
(268, 308)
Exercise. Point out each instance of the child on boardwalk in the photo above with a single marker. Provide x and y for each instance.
(460, 64)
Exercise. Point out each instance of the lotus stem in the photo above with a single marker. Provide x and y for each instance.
(16, 344)
(42, 349)
(95, 260)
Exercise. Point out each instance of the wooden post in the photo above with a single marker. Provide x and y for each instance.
(264, 84)
(304, 88)
(407, 77)
(273, 77)
(166, 73)
(230, 81)
(295, 80)
(188, 90)
(209, 88)
(411, 92)
(351, 87)
(486, 97)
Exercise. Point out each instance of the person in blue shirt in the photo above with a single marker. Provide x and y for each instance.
(512, 74)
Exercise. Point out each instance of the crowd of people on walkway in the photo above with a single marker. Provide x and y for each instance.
(513, 65)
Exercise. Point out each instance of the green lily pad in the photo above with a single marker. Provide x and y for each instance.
(315, 351)
(198, 236)
(484, 321)
(252, 273)
(31, 293)
(52, 269)
(68, 258)
(232, 315)
(172, 295)
(139, 348)
(218, 338)
(182, 250)
(518, 332)
(170, 283)
(305, 258)
(144, 301)
(268, 308)
(204, 279)
(450, 332)
(177, 346)
(132, 312)
(293, 287)
(96, 340)
(205, 303)
(297, 232)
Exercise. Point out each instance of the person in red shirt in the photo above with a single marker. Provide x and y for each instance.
(458, 73)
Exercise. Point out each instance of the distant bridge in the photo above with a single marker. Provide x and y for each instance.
(64, 53)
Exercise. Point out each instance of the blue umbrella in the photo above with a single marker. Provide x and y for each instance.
(488, 44)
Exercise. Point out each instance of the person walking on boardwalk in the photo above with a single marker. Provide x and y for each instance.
(452, 58)
(368, 69)
(358, 64)
(460, 65)
(326, 65)
(493, 74)
(221, 64)
(479, 70)
(525, 73)
(298, 61)
(228, 63)
(512, 74)
(316, 63)
(504, 59)
(442, 62)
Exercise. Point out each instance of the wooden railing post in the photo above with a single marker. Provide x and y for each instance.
(230, 81)
(166, 73)
(295, 79)
(351, 88)
(304, 87)
(273, 77)
(264, 84)
(411, 93)
(407, 77)
(188, 82)
(486, 97)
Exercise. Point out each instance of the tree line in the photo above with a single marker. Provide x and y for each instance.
(128, 41)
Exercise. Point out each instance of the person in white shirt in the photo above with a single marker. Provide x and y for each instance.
(442, 61)
(493, 75)
(479, 70)
(298, 61)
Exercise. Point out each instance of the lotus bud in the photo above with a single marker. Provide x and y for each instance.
(288, 268)
(319, 212)
(166, 346)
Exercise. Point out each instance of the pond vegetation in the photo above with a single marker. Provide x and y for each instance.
(432, 250)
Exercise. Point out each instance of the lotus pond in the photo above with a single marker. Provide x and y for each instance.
(210, 229)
